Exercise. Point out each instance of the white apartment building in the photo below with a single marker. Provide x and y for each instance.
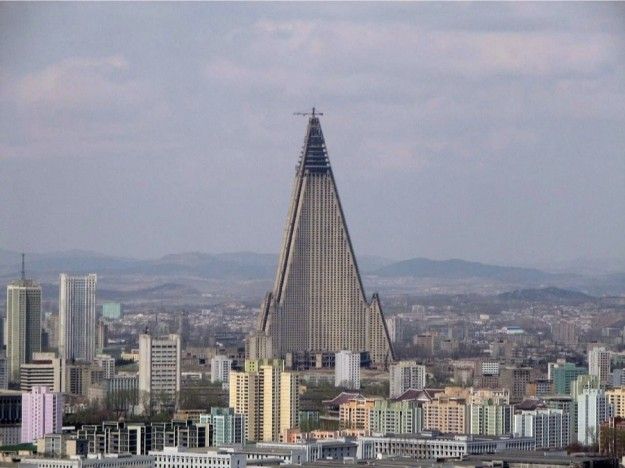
(599, 363)
(549, 427)
(159, 371)
(107, 363)
(593, 408)
(220, 369)
(99, 461)
(347, 370)
(77, 317)
(405, 375)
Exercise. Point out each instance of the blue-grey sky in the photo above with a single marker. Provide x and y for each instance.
(486, 131)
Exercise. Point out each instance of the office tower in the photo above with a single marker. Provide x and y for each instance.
(563, 374)
(77, 318)
(549, 427)
(42, 413)
(593, 409)
(23, 324)
(220, 369)
(228, 427)
(46, 370)
(599, 363)
(404, 375)
(268, 397)
(347, 370)
(107, 363)
(318, 303)
(112, 310)
(159, 371)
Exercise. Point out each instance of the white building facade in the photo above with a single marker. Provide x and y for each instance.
(159, 371)
(549, 427)
(347, 370)
(593, 408)
(77, 317)
(405, 375)
(220, 370)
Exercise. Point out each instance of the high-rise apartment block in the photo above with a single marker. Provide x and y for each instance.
(23, 324)
(405, 375)
(515, 380)
(347, 370)
(159, 371)
(318, 303)
(77, 317)
(220, 369)
(227, 426)
(42, 413)
(599, 363)
(616, 397)
(593, 408)
(445, 413)
(268, 397)
(107, 363)
(549, 427)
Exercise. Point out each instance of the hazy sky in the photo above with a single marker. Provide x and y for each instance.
(492, 132)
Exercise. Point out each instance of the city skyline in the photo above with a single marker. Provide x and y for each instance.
(489, 133)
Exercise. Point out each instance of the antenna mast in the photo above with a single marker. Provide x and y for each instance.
(23, 267)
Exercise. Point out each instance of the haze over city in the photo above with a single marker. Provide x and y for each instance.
(489, 132)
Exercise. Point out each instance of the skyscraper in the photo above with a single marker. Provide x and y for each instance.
(77, 320)
(318, 303)
(23, 324)
(347, 370)
(599, 363)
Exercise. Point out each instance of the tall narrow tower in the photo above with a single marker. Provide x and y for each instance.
(77, 318)
(23, 324)
(318, 303)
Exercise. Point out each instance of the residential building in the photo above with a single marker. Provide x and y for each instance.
(268, 397)
(42, 413)
(77, 317)
(356, 413)
(62, 445)
(599, 363)
(394, 325)
(405, 375)
(445, 413)
(616, 397)
(107, 364)
(227, 427)
(490, 418)
(318, 290)
(220, 369)
(395, 417)
(159, 372)
(515, 380)
(563, 374)
(549, 427)
(347, 370)
(593, 409)
(23, 324)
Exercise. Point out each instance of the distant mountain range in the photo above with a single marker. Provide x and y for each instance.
(546, 295)
(256, 266)
(458, 269)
